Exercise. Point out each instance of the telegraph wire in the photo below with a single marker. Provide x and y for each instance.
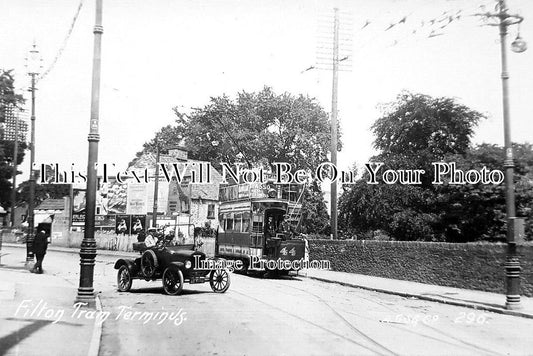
(64, 44)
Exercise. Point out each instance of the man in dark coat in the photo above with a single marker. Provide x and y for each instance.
(40, 243)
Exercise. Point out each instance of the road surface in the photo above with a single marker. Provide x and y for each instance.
(289, 316)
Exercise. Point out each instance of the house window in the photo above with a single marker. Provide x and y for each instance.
(173, 206)
(211, 211)
(229, 224)
(238, 223)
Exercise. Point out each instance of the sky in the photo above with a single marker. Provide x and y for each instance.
(158, 54)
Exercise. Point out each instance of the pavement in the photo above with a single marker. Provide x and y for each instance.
(32, 303)
(493, 302)
(25, 314)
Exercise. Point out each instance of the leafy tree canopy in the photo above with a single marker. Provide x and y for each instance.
(417, 123)
(413, 132)
(256, 128)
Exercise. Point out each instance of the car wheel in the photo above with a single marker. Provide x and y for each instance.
(148, 263)
(124, 279)
(219, 280)
(172, 281)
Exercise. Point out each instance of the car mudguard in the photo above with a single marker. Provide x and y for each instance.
(129, 263)
(177, 264)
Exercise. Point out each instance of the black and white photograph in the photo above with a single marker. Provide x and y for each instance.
(266, 177)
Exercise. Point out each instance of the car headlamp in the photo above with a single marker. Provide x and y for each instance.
(188, 264)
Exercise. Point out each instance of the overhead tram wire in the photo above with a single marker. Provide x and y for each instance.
(229, 135)
(234, 141)
(427, 26)
(63, 45)
(431, 24)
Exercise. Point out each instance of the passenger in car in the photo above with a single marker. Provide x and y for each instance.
(150, 240)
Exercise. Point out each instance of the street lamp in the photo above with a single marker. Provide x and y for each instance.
(88, 245)
(518, 45)
(33, 64)
(512, 264)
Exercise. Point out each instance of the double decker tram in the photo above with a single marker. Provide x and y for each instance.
(257, 225)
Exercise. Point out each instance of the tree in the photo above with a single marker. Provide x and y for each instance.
(417, 123)
(413, 132)
(416, 130)
(315, 217)
(42, 192)
(477, 212)
(256, 129)
(9, 101)
(262, 127)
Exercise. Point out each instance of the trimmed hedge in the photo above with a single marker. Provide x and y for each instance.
(471, 265)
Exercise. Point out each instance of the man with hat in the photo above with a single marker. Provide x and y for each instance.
(286, 227)
(40, 243)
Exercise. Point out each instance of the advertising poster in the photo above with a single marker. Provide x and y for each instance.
(78, 207)
(138, 223)
(136, 198)
(105, 222)
(123, 224)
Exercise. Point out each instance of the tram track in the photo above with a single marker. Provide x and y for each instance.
(458, 341)
(355, 342)
(345, 321)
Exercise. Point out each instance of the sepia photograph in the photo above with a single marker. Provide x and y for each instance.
(266, 177)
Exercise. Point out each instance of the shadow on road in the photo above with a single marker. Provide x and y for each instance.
(271, 276)
(159, 290)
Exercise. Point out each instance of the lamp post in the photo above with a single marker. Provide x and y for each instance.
(34, 66)
(88, 245)
(333, 149)
(512, 264)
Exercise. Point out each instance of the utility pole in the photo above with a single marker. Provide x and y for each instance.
(333, 149)
(334, 53)
(156, 185)
(88, 245)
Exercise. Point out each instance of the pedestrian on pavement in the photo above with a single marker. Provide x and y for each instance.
(40, 243)
(141, 236)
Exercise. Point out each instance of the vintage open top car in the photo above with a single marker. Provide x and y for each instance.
(175, 265)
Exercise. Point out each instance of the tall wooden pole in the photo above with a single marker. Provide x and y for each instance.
(333, 206)
(88, 245)
(156, 186)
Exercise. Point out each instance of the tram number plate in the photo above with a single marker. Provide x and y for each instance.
(197, 280)
(285, 252)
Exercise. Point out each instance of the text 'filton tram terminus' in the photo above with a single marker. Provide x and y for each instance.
(258, 224)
